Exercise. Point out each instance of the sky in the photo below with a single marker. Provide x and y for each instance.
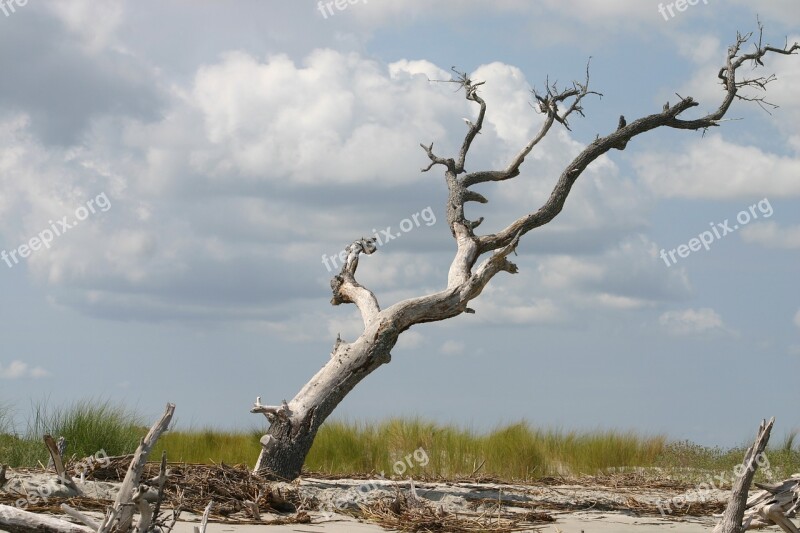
(175, 176)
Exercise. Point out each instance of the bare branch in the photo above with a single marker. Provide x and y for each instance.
(625, 132)
(345, 287)
(435, 160)
(271, 411)
(123, 508)
(547, 104)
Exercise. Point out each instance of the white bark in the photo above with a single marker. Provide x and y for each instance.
(121, 516)
(733, 516)
(55, 450)
(16, 520)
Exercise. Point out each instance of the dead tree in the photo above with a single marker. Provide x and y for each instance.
(731, 521)
(479, 257)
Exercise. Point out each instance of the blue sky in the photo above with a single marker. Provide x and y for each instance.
(239, 142)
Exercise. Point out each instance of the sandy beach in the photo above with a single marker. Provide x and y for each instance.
(612, 504)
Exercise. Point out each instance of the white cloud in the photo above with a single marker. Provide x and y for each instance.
(627, 276)
(337, 118)
(498, 305)
(713, 168)
(452, 347)
(19, 370)
(772, 235)
(692, 321)
(95, 22)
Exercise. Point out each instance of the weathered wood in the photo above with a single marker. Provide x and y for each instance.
(61, 445)
(731, 521)
(253, 508)
(204, 520)
(3, 479)
(160, 481)
(80, 517)
(58, 464)
(124, 505)
(16, 520)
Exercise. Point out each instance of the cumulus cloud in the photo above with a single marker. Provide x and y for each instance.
(19, 370)
(772, 235)
(692, 322)
(713, 168)
(95, 22)
(245, 175)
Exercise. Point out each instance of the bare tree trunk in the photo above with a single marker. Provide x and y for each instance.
(294, 425)
(731, 521)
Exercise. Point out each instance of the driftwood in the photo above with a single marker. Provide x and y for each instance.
(204, 521)
(16, 520)
(56, 450)
(774, 505)
(119, 518)
(61, 446)
(2, 476)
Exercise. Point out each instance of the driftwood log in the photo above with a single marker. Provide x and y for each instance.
(774, 505)
(119, 518)
(16, 520)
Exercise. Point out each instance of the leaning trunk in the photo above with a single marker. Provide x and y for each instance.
(294, 425)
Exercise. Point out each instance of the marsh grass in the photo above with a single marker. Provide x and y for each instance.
(207, 446)
(514, 452)
(88, 426)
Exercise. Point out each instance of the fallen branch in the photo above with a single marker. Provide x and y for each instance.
(204, 521)
(16, 520)
(731, 521)
(55, 459)
(124, 505)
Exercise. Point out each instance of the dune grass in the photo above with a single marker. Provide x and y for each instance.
(88, 426)
(512, 452)
(395, 447)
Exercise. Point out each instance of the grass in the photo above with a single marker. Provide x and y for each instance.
(396, 447)
(512, 452)
(209, 446)
(88, 427)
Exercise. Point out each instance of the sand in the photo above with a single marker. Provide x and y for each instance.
(579, 507)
